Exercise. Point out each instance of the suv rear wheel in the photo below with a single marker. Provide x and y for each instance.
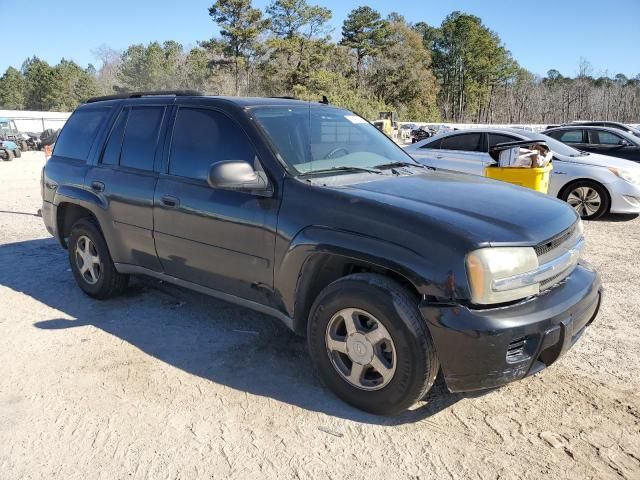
(91, 263)
(370, 345)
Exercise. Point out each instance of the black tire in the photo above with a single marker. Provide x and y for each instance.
(17, 153)
(396, 309)
(24, 146)
(583, 211)
(8, 155)
(109, 282)
(49, 136)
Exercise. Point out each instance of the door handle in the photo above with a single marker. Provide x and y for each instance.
(170, 201)
(97, 186)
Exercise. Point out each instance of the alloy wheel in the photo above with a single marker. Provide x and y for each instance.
(585, 201)
(88, 260)
(361, 349)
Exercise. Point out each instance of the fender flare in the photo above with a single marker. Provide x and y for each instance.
(297, 265)
(81, 197)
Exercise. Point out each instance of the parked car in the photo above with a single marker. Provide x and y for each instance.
(308, 213)
(603, 140)
(617, 125)
(592, 184)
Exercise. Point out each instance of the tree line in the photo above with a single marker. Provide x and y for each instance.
(459, 71)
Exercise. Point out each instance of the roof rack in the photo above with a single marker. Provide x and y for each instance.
(122, 96)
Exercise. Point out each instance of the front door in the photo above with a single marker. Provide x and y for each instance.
(609, 143)
(216, 238)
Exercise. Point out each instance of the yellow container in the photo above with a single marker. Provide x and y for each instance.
(534, 178)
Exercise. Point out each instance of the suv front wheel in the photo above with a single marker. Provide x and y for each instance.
(370, 344)
(91, 263)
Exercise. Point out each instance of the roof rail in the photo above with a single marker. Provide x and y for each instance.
(122, 96)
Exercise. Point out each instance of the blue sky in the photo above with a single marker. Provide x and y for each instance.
(542, 34)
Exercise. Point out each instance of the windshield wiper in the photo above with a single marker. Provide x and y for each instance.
(342, 168)
(401, 164)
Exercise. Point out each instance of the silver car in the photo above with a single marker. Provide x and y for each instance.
(592, 184)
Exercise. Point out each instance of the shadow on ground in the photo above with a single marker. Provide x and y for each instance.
(618, 217)
(200, 335)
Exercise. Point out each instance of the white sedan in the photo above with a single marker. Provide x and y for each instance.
(592, 184)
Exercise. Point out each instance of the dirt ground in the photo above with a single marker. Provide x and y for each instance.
(166, 383)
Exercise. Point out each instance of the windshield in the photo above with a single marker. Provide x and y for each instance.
(556, 146)
(311, 139)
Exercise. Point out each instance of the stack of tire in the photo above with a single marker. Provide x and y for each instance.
(49, 136)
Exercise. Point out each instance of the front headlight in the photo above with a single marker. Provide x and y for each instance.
(486, 265)
(626, 175)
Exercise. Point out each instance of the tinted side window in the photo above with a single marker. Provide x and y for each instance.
(202, 137)
(111, 155)
(570, 136)
(433, 145)
(469, 142)
(141, 137)
(495, 139)
(605, 138)
(79, 132)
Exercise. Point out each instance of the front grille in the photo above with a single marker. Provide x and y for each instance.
(549, 250)
(549, 282)
(553, 243)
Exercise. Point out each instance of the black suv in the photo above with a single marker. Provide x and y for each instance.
(308, 213)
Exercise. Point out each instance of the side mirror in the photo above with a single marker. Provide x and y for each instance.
(236, 175)
(624, 143)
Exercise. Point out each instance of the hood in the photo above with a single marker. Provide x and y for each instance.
(8, 144)
(486, 212)
(598, 160)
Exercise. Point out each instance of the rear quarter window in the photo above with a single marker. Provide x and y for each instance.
(77, 136)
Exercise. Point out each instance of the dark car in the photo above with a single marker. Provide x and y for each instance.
(603, 140)
(617, 125)
(306, 212)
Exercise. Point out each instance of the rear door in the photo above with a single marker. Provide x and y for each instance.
(576, 137)
(125, 177)
(464, 152)
(219, 239)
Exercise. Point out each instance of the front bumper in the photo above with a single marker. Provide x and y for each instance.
(481, 349)
(625, 197)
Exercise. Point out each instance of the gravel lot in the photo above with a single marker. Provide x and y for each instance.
(166, 383)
